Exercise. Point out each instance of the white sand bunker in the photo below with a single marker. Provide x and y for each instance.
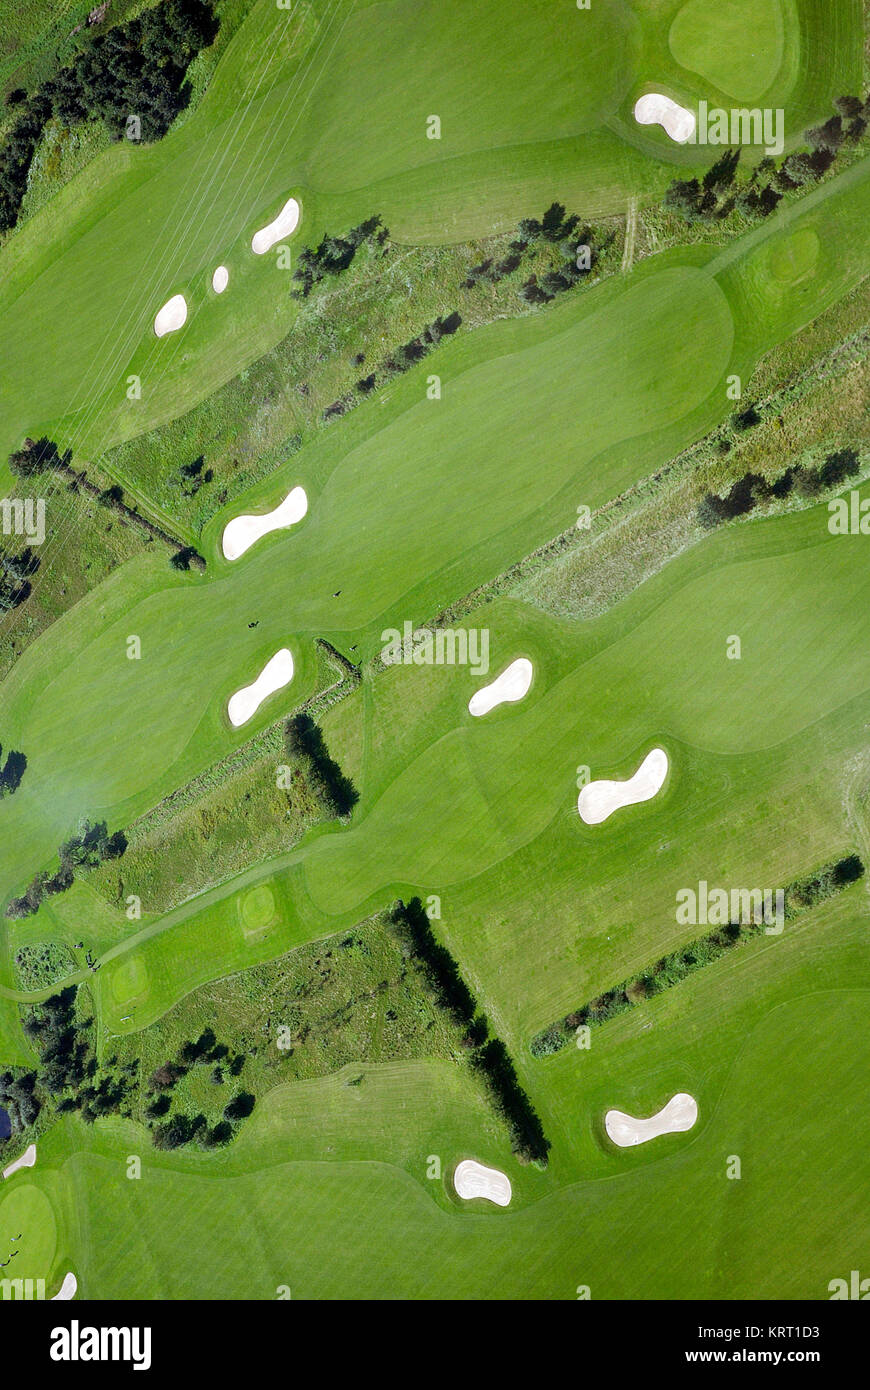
(67, 1289)
(172, 316)
(285, 223)
(678, 1115)
(27, 1160)
(655, 109)
(241, 533)
(220, 279)
(513, 684)
(599, 800)
(277, 672)
(472, 1179)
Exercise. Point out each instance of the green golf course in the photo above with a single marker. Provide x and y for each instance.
(427, 507)
(549, 111)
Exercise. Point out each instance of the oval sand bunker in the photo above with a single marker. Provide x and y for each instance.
(473, 1179)
(285, 223)
(172, 316)
(220, 279)
(241, 533)
(655, 109)
(678, 1115)
(277, 672)
(599, 800)
(513, 684)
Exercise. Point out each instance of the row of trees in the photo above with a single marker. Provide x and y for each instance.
(333, 255)
(401, 360)
(556, 225)
(134, 71)
(492, 270)
(41, 456)
(489, 1057)
(672, 969)
(93, 845)
(719, 192)
(714, 196)
(333, 789)
(36, 456)
(823, 883)
(752, 489)
(417, 348)
(577, 245)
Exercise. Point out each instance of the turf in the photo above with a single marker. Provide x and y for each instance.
(26, 1211)
(179, 1233)
(613, 392)
(710, 39)
(412, 504)
(499, 787)
(273, 121)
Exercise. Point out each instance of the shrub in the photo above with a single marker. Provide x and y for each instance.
(221, 1134)
(12, 773)
(838, 466)
(745, 419)
(551, 1040)
(175, 1133)
(240, 1107)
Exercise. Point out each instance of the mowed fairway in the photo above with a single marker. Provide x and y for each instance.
(311, 102)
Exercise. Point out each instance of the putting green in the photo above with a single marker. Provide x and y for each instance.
(795, 257)
(737, 45)
(26, 1211)
(128, 981)
(257, 909)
